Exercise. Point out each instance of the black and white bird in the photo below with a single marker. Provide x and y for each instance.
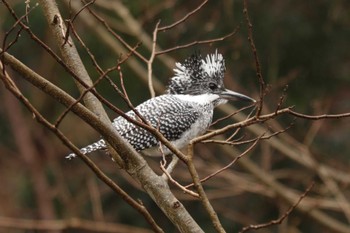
(183, 113)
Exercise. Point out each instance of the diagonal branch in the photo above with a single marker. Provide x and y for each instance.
(136, 166)
(11, 86)
(202, 194)
(184, 18)
(209, 41)
(280, 219)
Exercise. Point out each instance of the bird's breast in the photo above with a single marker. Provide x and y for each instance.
(198, 128)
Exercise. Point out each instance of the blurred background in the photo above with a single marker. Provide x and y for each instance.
(302, 44)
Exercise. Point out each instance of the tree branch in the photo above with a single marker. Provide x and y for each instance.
(136, 166)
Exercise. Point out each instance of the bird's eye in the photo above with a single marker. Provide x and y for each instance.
(212, 86)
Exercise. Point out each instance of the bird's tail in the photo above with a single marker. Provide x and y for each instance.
(99, 145)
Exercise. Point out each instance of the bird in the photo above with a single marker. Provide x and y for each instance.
(183, 113)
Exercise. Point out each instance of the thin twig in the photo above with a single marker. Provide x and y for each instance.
(232, 135)
(318, 117)
(67, 110)
(81, 9)
(118, 37)
(203, 196)
(209, 41)
(256, 58)
(125, 93)
(230, 164)
(163, 29)
(284, 216)
(240, 142)
(43, 45)
(72, 19)
(241, 124)
(171, 179)
(282, 97)
(18, 22)
(103, 75)
(230, 115)
(27, 2)
(151, 59)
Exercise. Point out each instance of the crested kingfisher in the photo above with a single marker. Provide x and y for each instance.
(183, 113)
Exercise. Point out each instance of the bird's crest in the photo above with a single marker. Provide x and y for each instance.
(196, 71)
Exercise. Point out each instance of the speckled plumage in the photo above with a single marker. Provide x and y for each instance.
(171, 115)
(182, 114)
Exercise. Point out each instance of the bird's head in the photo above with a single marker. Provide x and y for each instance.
(198, 76)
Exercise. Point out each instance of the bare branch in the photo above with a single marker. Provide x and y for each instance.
(71, 20)
(172, 180)
(319, 117)
(281, 100)
(230, 164)
(136, 165)
(151, 59)
(103, 75)
(202, 195)
(198, 42)
(15, 91)
(230, 115)
(241, 142)
(284, 216)
(184, 18)
(118, 37)
(256, 58)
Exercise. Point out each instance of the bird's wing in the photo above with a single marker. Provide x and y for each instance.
(166, 113)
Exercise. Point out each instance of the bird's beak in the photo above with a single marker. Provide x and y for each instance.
(231, 95)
